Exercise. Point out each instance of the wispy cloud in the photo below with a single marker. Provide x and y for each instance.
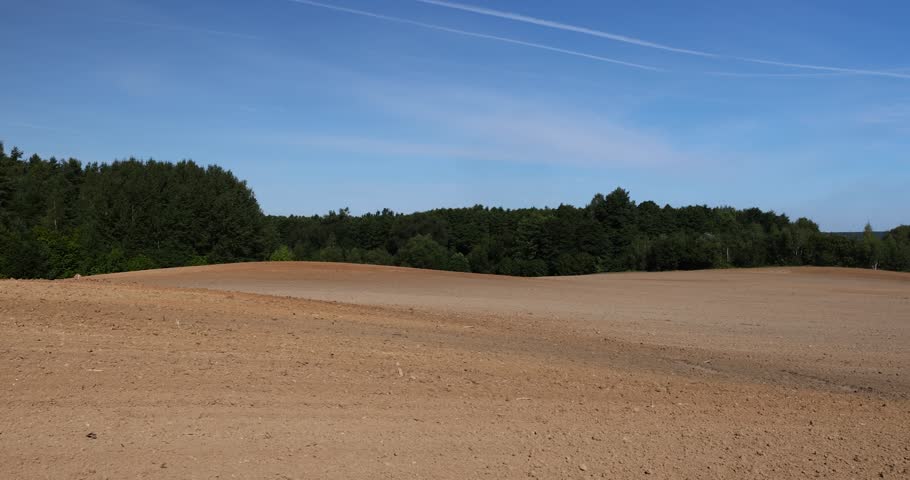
(383, 146)
(139, 79)
(645, 43)
(894, 115)
(470, 124)
(28, 125)
(32, 126)
(476, 35)
(178, 28)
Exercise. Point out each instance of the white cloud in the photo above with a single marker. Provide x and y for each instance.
(386, 146)
(459, 123)
(549, 134)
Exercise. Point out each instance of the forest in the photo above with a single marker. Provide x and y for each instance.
(59, 218)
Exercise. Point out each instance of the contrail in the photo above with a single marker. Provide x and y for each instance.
(775, 75)
(855, 71)
(475, 34)
(793, 75)
(563, 26)
(644, 43)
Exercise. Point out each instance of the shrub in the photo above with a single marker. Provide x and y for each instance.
(331, 254)
(282, 254)
(354, 255)
(197, 260)
(459, 263)
(140, 262)
(421, 251)
(378, 256)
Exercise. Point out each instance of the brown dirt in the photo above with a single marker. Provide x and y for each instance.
(303, 370)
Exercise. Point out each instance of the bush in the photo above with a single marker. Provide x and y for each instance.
(576, 264)
(331, 254)
(282, 254)
(113, 261)
(532, 268)
(378, 256)
(140, 262)
(479, 259)
(197, 260)
(421, 251)
(459, 263)
(354, 255)
(508, 266)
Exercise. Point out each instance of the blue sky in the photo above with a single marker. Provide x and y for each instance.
(797, 106)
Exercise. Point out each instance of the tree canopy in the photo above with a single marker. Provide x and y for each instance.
(62, 217)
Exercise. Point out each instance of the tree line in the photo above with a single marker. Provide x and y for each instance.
(61, 217)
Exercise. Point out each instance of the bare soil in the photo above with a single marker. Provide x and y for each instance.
(309, 370)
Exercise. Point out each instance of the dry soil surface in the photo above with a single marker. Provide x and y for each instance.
(308, 370)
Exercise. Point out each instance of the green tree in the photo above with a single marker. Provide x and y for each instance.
(140, 262)
(896, 249)
(479, 258)
(378, 256)
(421, 251)
(576, 264)
(458, 263)
(872, 247)
(282, 254)
(58, 217)
(332, 253)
